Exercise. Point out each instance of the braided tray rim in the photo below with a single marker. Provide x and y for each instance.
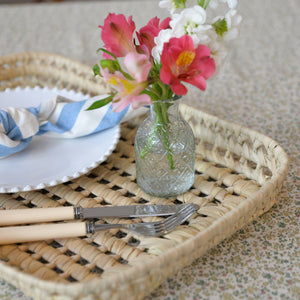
(261, 160)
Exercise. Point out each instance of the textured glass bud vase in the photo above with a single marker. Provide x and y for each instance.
(165, 151)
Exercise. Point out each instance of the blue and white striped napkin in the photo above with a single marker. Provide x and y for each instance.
(56, 117)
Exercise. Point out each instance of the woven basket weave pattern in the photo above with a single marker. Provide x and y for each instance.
(239, 173)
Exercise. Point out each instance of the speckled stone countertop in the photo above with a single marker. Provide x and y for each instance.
(258, 87)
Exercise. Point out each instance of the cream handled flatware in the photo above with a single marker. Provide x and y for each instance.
(64, 213)
(19, 234)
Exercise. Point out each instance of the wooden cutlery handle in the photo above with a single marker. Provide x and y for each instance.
(31, 233)
(35, 215)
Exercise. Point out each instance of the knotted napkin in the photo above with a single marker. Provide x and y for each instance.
(56, 117)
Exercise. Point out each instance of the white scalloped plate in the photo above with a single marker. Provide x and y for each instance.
(49, 161)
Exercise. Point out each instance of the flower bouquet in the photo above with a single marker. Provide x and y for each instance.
(151, 67)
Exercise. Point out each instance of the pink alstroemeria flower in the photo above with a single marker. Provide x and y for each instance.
(182, 62)
(117, 35)
(129, 91)
(147, 33)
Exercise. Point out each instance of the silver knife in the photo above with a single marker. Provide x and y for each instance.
(63, 213)
(40, 232)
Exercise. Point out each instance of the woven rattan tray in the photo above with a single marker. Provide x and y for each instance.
(239, 173)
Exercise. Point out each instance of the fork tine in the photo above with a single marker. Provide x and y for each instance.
(164, 226)
(180, 220)
(170, 223)
(178, 215)
(184, 215)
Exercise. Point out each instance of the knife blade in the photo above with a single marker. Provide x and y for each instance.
(126, 211)
(64, 213)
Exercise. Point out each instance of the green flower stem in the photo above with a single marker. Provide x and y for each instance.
(205, 7)
(148, 147)
(161, 113)
(203, 4)
(153, 92)
(160, 128)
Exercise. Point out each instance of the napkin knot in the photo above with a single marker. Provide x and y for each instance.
(56, 117)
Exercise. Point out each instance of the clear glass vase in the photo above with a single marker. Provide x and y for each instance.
(165, 151)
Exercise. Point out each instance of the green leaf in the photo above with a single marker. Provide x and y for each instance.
(220, 26)
(206, 4)
(201, 3)
(106, 51)
(100, 103)
(111, 65)
(127, 75)
(179, 3)
(152, 95)
(96, 70)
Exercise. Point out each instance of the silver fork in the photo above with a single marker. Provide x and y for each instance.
(150, 228)
(20, 234)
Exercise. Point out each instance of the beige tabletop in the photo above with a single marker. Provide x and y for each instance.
(258, 87)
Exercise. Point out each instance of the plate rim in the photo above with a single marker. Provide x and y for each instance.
(30, 187)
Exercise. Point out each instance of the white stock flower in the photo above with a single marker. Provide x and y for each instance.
(171, 5)
(231, 3)
(233, 21)
(219, 58)
(218, 49)
(188, 19)
(191, 21)
(168, 4)
(163, 37)
(219, 44)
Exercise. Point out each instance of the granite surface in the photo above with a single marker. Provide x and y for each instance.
(258, 87)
